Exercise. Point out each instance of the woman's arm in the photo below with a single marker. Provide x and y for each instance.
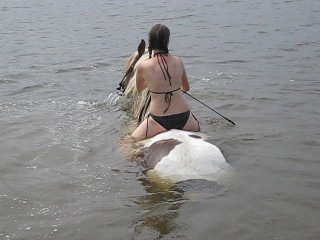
(140, 82)
(185, 83)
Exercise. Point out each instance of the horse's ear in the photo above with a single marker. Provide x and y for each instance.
(141, 48)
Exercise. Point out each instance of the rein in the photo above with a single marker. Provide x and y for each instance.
(210, 108)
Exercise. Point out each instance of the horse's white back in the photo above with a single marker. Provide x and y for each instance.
(193, 158)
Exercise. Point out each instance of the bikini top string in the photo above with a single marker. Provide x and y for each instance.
(163, 65)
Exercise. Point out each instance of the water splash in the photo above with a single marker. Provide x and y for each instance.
(113, 102)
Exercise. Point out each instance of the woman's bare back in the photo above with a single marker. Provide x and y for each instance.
(159, 83)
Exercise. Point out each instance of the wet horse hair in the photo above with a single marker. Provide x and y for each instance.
(137, 102)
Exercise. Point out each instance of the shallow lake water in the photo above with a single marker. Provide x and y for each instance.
(64, 169)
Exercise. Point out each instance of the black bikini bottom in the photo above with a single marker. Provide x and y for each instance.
(175, 121)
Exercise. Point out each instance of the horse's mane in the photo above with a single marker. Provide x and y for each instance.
(137, 102)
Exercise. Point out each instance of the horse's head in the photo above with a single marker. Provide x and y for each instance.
(130, 66)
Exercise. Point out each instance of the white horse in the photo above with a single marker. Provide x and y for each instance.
(174, 155)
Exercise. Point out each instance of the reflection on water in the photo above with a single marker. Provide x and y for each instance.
(161, 209)
(159, 218)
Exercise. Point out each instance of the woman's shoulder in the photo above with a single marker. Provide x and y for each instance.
(176, 59)
(144, 65)
(177, 62)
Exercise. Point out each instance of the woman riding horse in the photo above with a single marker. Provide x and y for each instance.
(165, 77)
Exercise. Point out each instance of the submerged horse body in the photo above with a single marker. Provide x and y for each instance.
(175, 155)
(178, 155)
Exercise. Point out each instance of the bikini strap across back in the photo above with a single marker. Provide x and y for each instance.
(167, 96)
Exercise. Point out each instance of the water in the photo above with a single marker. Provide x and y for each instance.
(64, 172)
